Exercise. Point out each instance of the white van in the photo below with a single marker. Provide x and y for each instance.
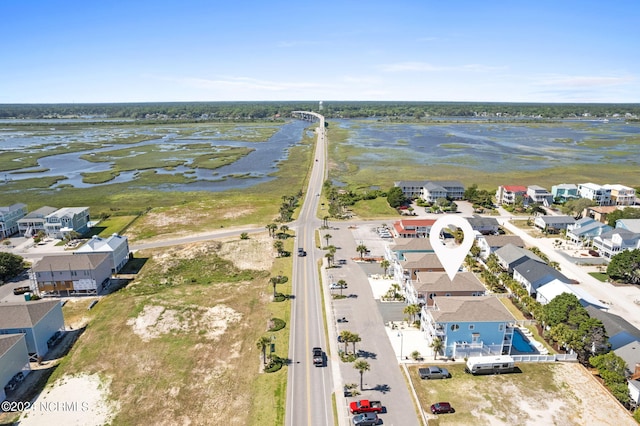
(490, 364)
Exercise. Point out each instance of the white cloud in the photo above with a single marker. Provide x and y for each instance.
(427, 67)
(584, 81)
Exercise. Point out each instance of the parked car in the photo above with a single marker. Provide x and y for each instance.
(594, 253)
(21, 290)
(365, 406)
(442, 408)
(365, 419)
(434, 372)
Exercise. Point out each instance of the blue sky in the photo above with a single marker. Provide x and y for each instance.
(428, 50)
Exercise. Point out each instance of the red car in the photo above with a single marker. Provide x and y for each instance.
(441, 408)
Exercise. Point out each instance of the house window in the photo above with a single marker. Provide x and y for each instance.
(447, 294)
(454, 327)
(475, 337)
(501, 327)
(472, 326)
(431, 295)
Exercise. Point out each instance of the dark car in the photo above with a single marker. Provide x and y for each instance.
(594, 253)
(365, 419)
(318, 357)
(301, 252)
(441, 408)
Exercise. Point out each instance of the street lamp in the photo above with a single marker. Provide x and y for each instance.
(401, 336)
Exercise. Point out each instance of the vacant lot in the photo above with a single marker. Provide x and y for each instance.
(178, 345)
(542, 394)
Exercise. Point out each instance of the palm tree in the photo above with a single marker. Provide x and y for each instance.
(362, 366)
(279, 246)
(437, 345)
(277, 280)
(272, 229)
(262, 344)
(346, 338)
(327, 237)
(330, 258)
(355, 338)
(283, 230)
(362, 249)
(412, 311)
(385, 265)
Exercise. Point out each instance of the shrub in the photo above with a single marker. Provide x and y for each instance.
(277, 324)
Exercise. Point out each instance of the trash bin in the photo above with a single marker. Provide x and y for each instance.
(27, 296)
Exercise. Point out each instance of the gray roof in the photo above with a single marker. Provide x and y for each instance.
(538, 273)
(7, 341)
(613, 324)
(626, 235)
(632, 225)
(552, 220)
(40, 213)
(25, 314)
(470, 309)
(482, 221)
(97, 244)
(630, 353)
(414, 244)
(503, 240)
(78, 262)
(511, 253)
(438, 281)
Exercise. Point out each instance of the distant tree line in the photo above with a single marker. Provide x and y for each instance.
(332, 109)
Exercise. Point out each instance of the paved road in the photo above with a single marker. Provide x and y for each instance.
(384, 381)
(309, 388)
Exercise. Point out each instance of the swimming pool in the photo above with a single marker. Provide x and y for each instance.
(520, 344)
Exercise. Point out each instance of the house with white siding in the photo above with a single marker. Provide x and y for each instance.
(33, 222)
(116, 246)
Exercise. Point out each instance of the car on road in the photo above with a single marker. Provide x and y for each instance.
(318, 357)
(365, 419)
(442, 408)
(301, 252)
(433, 372)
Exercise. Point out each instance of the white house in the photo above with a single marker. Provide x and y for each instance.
(616, 241)
(595, 192)
(34, 221)
(540, 195)
(116, 246)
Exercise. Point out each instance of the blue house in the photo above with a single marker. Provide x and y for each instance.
(38, 321)
(469, 325)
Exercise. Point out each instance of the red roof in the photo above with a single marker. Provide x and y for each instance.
(515, 188)
(416, 222)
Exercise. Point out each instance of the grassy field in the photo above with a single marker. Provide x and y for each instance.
(197, 360)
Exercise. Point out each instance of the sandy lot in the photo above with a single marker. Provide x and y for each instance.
(79, 400)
